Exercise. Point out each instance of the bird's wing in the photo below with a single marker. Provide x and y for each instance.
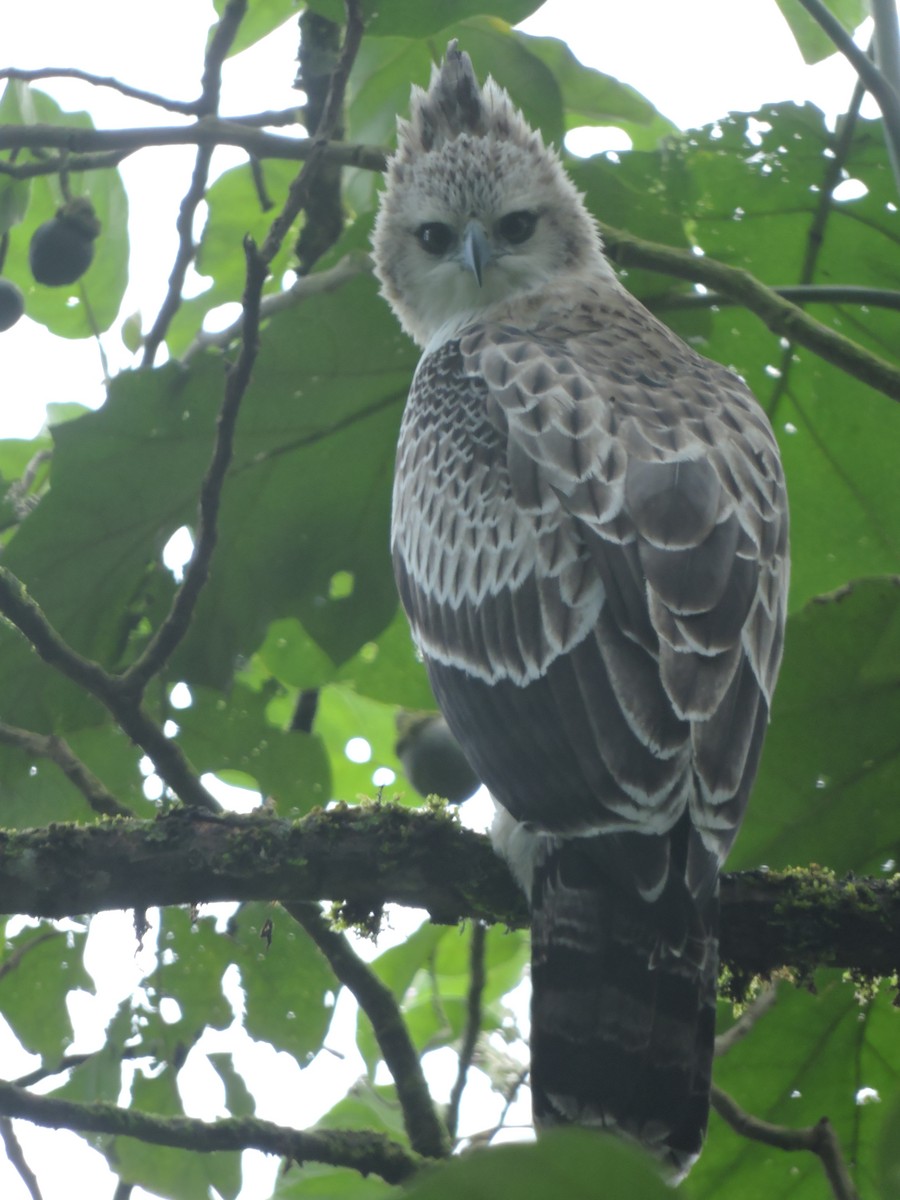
(610, 519)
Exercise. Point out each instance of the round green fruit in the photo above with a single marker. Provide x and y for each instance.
(61, 249)
(12, 305)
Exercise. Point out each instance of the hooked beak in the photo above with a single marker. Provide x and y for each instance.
(476, 249)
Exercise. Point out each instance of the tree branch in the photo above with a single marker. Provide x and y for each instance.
(427, 1133)
(188, 108)
(208, 131)
(777, 314)
(361, 1150)
(373, 854)
(207, 105)
(16, 1156)
(177, 622)
(887, 99)
(351, 266)
(59, 752)
(797, 293)
(473, 1023)
(820, 1139)
(166, 755)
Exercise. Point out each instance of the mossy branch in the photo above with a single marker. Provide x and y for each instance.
(362, 1150)
(371, 855)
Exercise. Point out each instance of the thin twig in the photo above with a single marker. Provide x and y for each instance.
(360, 1150)
(185, 107)
(473, 1024)
(59, 752)
(815, 235)
(819, 1139)
(11, 962)
(16, 1156)
(778, 314)
(176, 623)
(754, 1012)
(798, 293)
(208, 104)
(427, 1133)
(331, 117)
(167, 757)
(886, 97)
(350, 267)
(209, 131)
(69, 1061)
(886, 43)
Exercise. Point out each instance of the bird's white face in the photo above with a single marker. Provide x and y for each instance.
(474, 224)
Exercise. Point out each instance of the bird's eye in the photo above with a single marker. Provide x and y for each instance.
(517, 227)
(435, 237)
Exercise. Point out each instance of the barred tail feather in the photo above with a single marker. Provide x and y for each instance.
(623, 999)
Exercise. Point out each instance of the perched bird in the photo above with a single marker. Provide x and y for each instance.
(590, 539)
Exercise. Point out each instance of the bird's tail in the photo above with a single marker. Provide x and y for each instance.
(624, 995)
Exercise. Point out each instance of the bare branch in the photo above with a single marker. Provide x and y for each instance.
(16, 1156)
(171, 765)
(777, 314)
(426, 1131)
(58, 751)
(361, 1150)
(886, 97)
(798, 293)
(177, 622)
(207, 105)
(188, 108)
(319, 284)
(819, 1139)
(755, 1010)
(208, 131)
(473, 1023)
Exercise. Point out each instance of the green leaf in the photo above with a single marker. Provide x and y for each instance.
(308, 496)
(833, 750)
(91, 304)
(179, 1174)
(813, 41)
(808, 1058)
(397, 968)
(261, 18)
(888, 1152)
(285, 984)
(238, 1099)
(367, 1107)
(564, 1163)
(193, 958)
(38, 969)
(315, 1182)
(344, 714)
(234, 735)
(234, 211)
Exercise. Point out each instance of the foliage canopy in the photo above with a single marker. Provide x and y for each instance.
(300, 602)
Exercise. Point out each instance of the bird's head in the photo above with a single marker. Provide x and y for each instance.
(476, 208)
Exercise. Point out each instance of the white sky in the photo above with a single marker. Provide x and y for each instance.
(703, 59)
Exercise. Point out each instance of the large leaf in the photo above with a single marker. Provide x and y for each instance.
(808, 1058)
(747, 191)
(814, 42)
(163, 1170)
(307, 500)
(826, 790)
(568, 1163)
(38, 968)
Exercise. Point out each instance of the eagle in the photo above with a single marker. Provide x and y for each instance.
(590, 541)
